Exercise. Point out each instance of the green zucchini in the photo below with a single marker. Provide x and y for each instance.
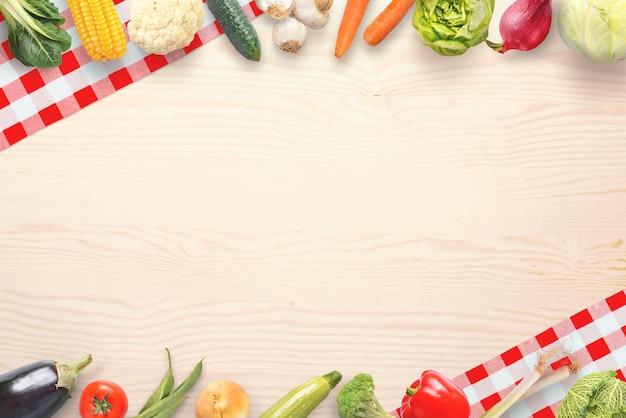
(237, 27)
(303, 399)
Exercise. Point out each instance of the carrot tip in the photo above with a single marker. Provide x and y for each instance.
(371, 42)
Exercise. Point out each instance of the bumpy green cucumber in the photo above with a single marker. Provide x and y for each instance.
(237, 27)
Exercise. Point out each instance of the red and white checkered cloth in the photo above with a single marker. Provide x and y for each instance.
(31, 99)
(595, 336)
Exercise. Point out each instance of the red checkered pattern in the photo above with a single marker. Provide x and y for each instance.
(595, 336)
(31, 99)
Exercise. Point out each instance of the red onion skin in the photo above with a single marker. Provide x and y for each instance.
(524, 25)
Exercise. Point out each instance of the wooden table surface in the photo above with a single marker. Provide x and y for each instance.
(385, 213)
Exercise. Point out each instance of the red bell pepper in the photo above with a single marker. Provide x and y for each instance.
(434, 396)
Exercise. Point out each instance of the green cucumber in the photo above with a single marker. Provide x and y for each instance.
(237, 27)
(303, 399)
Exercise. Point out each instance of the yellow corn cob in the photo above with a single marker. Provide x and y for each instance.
(99, 28)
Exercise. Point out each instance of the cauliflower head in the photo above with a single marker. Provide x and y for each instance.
(163, 26)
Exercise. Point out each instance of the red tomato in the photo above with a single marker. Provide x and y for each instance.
(103, 399)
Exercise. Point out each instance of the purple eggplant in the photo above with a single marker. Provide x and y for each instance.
(40, 389)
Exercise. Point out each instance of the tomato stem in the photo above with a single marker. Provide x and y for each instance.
(103, 406)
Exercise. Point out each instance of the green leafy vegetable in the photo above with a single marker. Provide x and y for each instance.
(35, 37)
(595, 28)
(596, 395)
(451, 27)
(357, 399)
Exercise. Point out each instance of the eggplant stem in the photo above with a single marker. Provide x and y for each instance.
(67, 372)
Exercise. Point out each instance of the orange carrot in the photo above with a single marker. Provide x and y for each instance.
(388, 19)
(350, 21)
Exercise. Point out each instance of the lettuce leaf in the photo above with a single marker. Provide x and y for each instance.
(451, 27)
(596, 395)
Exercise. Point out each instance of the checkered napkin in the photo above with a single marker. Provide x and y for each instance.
(31, 99)
(595, 336)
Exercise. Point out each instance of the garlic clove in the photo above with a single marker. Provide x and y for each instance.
(306, 12)
(276, 9)
(289, 35)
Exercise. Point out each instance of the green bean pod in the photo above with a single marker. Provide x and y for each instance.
(167, 413)
(175, 398)
(165, 387)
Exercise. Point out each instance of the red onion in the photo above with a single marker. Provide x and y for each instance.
(524, 25)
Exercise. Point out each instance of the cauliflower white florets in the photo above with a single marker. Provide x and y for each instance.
(163, 26)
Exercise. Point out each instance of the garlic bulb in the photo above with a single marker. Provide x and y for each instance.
(307, 12)
(289, 34)
(323, 5)
(276, 9)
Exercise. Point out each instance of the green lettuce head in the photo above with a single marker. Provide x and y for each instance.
(595, 28)
(596, 395)
(450, 27)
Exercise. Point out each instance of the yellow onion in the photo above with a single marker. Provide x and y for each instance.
(223, 399)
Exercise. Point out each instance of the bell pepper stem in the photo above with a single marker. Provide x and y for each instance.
(411, 391)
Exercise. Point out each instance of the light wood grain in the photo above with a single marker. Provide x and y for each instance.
(387, 212)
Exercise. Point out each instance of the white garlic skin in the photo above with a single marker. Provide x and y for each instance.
(306, 12)
(289, 35)
(276, 9)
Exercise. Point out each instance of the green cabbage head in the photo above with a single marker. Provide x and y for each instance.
(596, 28)
(596, 395)
(451, 27)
